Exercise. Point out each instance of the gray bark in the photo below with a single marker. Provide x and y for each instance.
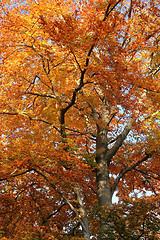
(102, 172)
(86, 233)
(103, 159)
(84, 220)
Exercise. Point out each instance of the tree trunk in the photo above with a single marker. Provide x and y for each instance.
(103, 159)
(103, 183)
(104, 192)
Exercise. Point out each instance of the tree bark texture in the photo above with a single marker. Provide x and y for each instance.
(102, 172)
(103, 159)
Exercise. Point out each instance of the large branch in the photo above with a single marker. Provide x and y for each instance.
(71, 103)
(123, 172)
(111, 152)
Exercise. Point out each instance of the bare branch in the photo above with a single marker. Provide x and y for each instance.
(40, 95)
(149, 183)
(15, 175)
(130, 9)
(71, 103)
(76, 61)
(154, 71)
(8, 113)
(148, 175)
(109, 11)
(53, 214)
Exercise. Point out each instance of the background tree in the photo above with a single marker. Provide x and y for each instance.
(79, 119)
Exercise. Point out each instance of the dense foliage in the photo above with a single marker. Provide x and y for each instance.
(79, 110)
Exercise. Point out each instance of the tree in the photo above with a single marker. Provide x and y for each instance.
(79, 119)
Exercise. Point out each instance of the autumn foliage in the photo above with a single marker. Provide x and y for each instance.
(79, 111)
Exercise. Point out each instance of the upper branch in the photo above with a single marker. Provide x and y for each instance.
(70, 104)
(111, 152)
(109, 10)
(73, 100)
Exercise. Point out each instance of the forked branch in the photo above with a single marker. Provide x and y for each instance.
(123, 172)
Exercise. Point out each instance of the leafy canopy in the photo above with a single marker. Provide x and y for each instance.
(71, 71)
